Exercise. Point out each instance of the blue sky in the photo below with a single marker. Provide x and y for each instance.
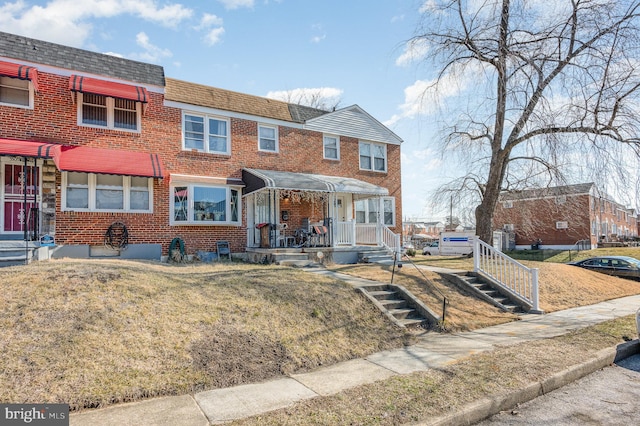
(351, 50)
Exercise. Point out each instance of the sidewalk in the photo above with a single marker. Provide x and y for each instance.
(431, 351)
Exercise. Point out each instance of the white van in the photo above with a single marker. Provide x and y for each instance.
(451, 243)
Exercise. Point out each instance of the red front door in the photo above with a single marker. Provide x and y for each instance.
(19, 179)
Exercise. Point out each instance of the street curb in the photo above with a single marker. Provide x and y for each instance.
(486, 407)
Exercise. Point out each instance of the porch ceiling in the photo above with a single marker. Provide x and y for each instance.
(273, 179)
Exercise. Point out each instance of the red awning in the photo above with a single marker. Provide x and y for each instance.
(70, 158)
(107, 88)
(23, 72)
(114, 162)
(28, 148)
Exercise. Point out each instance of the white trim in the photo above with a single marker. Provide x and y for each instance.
(372, 157)
(110, 106)
(201, 181)
(211, 180)
(92, 187)
(206, 132)
(276, 138)
(324, 152)
(31, 95)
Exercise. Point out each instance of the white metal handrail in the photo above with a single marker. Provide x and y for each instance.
(509, 273)
(391, 241)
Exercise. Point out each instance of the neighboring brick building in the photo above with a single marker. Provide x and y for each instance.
(88, 140)
(563, 216)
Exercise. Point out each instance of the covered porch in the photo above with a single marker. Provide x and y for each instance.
(310, 212)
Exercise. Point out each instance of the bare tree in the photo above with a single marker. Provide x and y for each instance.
(556, 87)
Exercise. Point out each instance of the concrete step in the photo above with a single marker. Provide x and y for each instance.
(403, 313)
(390, 304)
(383, 294)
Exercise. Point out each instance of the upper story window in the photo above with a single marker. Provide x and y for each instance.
(267, 138)
(373, 156)
(101, 192)
(507, 204)
(16, 92)
(331, 147)
(206, 133)
(111, 113)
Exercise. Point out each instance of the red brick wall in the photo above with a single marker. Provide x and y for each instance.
(54, 119)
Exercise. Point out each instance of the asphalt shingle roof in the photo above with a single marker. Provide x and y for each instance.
(581, 188)
(79, 60)
(227, 100)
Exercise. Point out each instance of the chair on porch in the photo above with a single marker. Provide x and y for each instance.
(303, 234)
(284, 240)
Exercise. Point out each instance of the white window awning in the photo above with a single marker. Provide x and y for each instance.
(272, 179)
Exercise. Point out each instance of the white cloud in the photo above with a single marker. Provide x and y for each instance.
(237, 4)
(318, 39)
(321, 97)
(397, 18)
(68, 21)
(414, 50)
(213, 35)
(152, 53)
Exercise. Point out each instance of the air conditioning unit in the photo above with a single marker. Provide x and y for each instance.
(508, 227)
(562, 225)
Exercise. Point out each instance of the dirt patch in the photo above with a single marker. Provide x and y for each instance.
(231, 356)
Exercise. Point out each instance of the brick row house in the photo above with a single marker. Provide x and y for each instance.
(92, 144)
(562, 217)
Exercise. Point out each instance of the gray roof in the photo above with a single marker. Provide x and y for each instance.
(302, 113)
(71, 58)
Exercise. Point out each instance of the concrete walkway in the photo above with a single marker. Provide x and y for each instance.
(432, 350)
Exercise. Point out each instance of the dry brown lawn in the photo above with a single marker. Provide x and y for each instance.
(100, 332)
(94, 333)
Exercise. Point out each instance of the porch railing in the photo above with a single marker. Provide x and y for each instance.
(391, 241)
(509, 273)
(352, 233)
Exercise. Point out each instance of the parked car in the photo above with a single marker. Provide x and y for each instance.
(432, 248)
(619, 266)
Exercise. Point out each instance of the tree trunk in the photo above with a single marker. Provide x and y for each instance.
(486, 209)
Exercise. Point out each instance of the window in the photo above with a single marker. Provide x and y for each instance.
(267, 138)
(331, 146)
(373, 156)
(100, 192)
(562, 225)
(206, 134)
(205, 205)
(367, 211)
(16, 92)
(507, 205)
(561, 199)
(108, 112)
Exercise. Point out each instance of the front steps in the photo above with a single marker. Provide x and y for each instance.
(400, 306)
(375, 255)
(489, 292)
(16, 252)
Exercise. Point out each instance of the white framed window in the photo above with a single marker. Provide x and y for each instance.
(106, 193)
(331, 147)
(267, 138)
(561, 199)
(373, 156)
(205, 133)
(562, 225)
(16, 92)
(507, 204)
(107, 112)
(367, 211)
(198, 204)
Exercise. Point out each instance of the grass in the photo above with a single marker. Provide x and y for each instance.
(420, 396)
(96, 333)
(100, 332)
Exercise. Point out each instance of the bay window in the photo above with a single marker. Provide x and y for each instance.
(195, 204)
